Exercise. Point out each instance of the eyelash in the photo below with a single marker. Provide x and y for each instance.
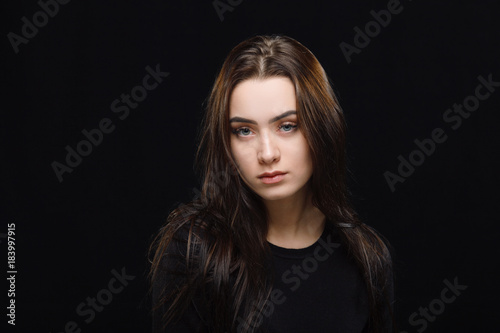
(292, 125)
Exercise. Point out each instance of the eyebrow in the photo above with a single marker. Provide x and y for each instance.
(272, 120)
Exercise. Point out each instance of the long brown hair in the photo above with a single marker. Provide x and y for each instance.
(226, 249)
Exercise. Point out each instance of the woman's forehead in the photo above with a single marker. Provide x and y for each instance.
(262, 99)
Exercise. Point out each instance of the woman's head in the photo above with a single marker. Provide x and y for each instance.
(266, 138)
(282, 63)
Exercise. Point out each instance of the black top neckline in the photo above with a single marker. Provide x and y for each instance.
(302, 252)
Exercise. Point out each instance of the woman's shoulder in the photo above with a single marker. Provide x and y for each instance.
(178, 266)
(186, 230)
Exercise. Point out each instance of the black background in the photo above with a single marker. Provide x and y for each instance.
(442, 220)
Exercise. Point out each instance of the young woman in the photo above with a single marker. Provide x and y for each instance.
(272, 244)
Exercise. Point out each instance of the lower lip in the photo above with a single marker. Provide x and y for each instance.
(273, 180)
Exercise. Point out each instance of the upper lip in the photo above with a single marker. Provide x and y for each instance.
(271, 174)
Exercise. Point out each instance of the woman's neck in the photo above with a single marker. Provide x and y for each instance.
(294, 222)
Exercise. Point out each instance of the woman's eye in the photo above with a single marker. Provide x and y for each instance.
(243, 131)
(288, 127)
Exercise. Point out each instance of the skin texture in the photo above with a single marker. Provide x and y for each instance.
(265, 147)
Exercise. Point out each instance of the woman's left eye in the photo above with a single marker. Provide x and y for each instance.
(288, 127)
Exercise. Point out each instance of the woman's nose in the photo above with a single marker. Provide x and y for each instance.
(268, 150)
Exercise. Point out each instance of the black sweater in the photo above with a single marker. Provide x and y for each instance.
(316, 289)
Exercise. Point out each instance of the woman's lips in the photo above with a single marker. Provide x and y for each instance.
(273, 179)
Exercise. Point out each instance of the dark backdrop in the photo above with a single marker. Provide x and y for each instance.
(75, 234)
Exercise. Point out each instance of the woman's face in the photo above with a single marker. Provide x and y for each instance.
(265, 138)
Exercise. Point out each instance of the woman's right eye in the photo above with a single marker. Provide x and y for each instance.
(242, 131)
